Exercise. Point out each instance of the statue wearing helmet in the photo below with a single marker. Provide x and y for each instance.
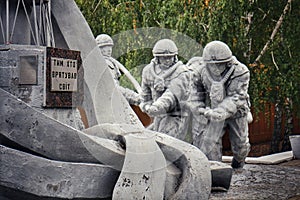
(220, 87)
(104, 40)
(164, 83)
(165, 47)
(105, 43)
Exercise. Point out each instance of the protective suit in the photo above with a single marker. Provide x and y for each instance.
(196, 101)
(105, 43)
(165, 90)
(222, 91)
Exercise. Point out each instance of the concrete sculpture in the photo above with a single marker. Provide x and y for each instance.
(105, 43)
(164, 83)
(221, 94)
(61, 123)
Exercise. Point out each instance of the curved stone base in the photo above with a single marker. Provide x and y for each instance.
(47, 178)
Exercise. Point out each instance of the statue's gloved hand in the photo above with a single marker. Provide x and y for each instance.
(134, 98)
(144, 106)
(154, 110)
(202, 111)
(195, 108)
(238, 99)
(159, 86)
(137, 99)
(217, 114)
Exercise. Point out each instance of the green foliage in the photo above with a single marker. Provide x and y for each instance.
(245, 25)
(277, 77)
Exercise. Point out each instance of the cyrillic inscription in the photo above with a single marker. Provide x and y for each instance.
(64, 74)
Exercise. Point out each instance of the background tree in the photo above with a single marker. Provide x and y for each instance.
(263, 34)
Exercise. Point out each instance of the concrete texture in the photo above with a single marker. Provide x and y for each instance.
(221, 174)
(195, 182)
(143, 175)
(57, 141)
(102, 98)
(272, 182)
(37, 132)
(48, 178)
(33, 94)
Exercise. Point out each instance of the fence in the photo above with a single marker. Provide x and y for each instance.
(261, 133)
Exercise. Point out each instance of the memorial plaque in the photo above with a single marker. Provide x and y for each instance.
(63, 74)
(64, 78)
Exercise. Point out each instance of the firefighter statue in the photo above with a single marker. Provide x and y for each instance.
(165, 86)
(196, 102)
(105, 43)
(221, 84)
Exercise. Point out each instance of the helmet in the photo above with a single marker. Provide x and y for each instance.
(104, 40)
(216, 52)
(165, 47)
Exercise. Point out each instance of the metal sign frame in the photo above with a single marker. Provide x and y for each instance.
(62, 94)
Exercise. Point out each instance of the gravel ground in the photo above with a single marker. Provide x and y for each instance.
(253, 182)
(272, 182)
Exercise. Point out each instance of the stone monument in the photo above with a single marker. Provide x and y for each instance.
(164, 83)
(47, 151)
(221, 95)
(105, 43)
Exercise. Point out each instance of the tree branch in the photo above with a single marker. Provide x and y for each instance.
(278, 24)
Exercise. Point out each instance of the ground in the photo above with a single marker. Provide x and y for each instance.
(272, 182)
